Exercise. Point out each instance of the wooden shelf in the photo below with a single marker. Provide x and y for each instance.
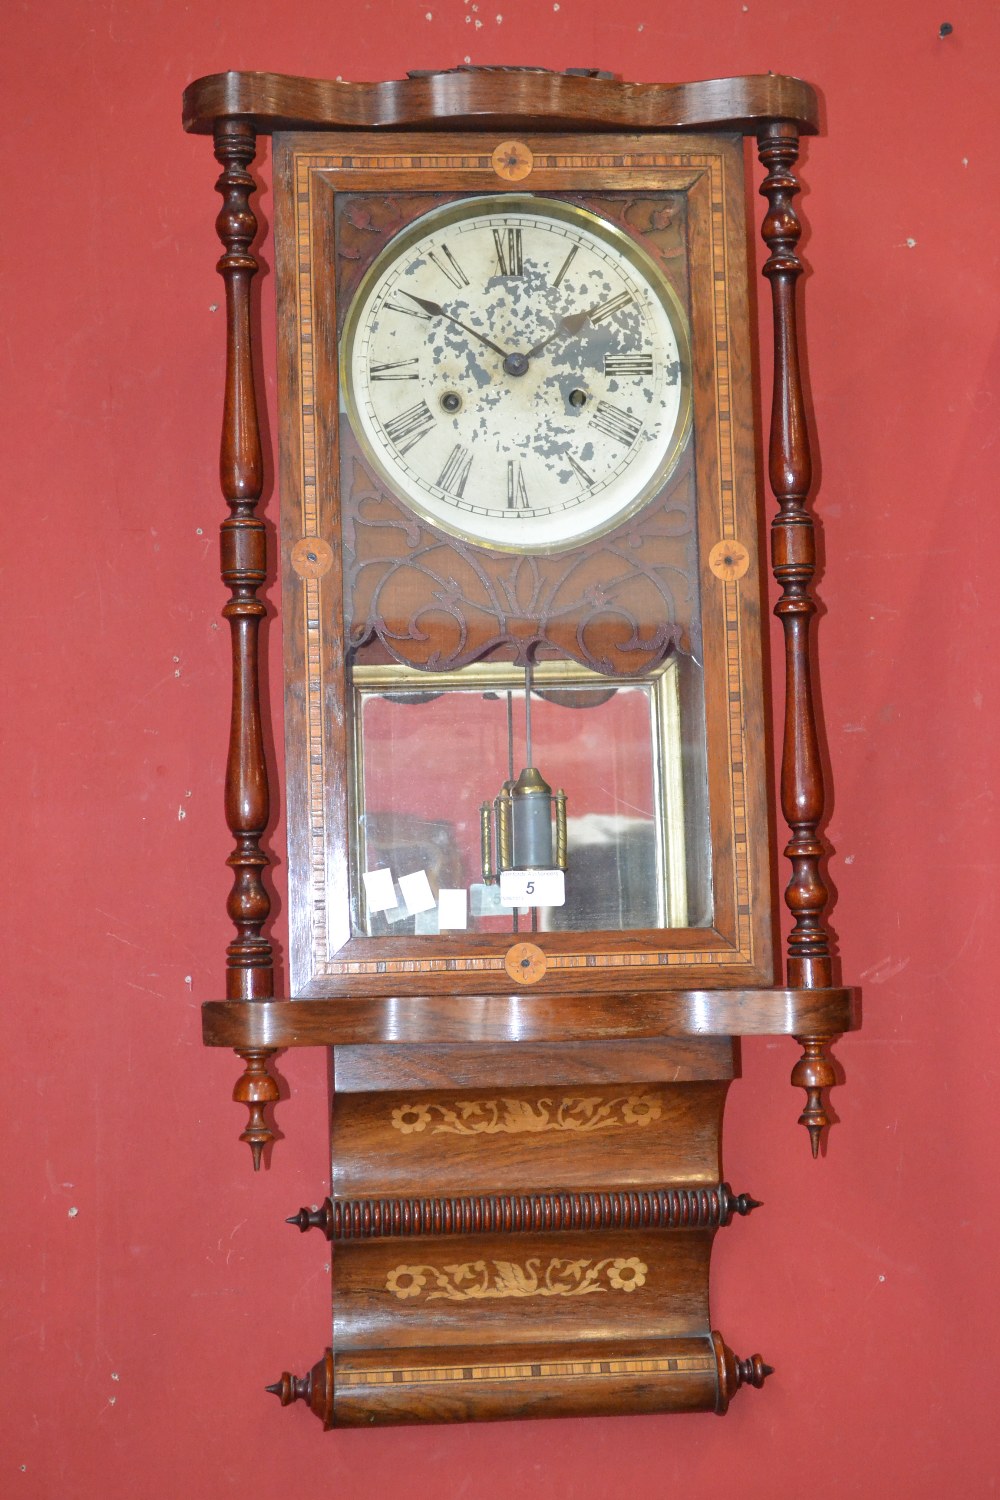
(442, 1019)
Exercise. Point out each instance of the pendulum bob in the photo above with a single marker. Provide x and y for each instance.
(529, 823)
(531, 817)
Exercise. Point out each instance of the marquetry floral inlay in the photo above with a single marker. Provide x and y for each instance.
(514, 1116)
(479, 1280)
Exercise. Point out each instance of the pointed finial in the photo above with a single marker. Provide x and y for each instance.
(734, 1373)
(814, 1072)
(752, 1371)
(256, 1089)
(736, 1203)
(316, 1389)
(314, 1218)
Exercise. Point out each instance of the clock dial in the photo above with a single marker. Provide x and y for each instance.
(517, 371)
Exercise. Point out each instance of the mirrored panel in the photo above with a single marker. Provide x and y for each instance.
(499, 799)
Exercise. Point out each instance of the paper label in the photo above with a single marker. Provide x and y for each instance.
(380, 893)
(452, 910)
(417, 893)
(527, 888)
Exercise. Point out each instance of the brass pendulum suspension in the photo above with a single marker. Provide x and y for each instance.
(522, 813)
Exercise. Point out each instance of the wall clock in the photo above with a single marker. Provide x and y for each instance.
(530, 862)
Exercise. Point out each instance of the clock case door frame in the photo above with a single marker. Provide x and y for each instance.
(326, 961)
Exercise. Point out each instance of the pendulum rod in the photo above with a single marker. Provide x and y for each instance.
(528, 753)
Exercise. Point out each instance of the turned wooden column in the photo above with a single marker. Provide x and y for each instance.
(249, 968)
(793, 554)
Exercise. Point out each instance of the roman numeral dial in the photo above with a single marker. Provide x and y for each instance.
(510, 257)
(395, 369)
(612, 306)
(627, 366)
(515, 371)
(455, 474)
(621, 426)
(517, 490)
(449, 267)
(405, 430)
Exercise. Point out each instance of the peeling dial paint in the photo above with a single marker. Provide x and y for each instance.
(516, 370)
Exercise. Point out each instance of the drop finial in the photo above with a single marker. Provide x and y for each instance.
(814, 1072)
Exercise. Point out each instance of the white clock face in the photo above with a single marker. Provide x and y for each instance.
(517, 371)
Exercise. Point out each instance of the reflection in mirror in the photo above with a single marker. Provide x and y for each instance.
(564, 802)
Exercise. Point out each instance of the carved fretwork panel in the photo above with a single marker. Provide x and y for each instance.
(618, 606)
(366, 223)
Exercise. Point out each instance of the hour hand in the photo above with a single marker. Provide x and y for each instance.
(435, 310)
(567, 328)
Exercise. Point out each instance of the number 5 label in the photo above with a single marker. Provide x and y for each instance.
(532, 888)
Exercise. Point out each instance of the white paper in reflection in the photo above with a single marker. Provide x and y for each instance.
(380, 893)
(452, 910)
(417, 893)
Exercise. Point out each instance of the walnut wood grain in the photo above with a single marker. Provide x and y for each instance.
(793, 550)
(517, 1140)
(734, 1373)
(315, 1388)
(244, 570)
(243, 547)
(527, 1213)
(490, 1289)
(509, 1239)
(469, 1383)
(531, 1018)
(371, 1069)
(501, 98)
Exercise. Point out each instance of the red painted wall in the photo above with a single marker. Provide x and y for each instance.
(151, 1287)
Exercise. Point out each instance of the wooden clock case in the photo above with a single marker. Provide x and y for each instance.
(526, 1153)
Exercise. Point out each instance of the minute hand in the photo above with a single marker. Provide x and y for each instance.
(571, 326)
(437, 311)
